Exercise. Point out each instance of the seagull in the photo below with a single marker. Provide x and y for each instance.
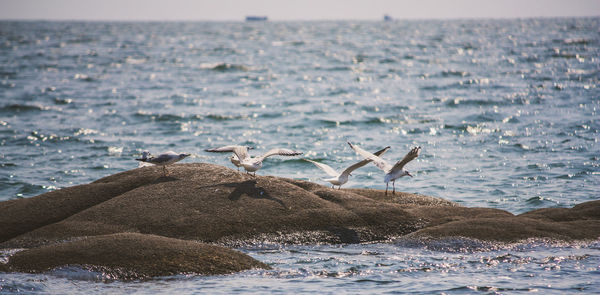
(251, 164)
(341, 178)
(163, 159)
(391, 172)
(234, 159)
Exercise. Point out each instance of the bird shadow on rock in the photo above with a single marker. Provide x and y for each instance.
(250, 189)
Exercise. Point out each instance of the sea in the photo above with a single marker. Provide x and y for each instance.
(506, 112)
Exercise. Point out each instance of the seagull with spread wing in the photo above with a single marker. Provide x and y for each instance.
(342, 178)
(252, 164)
(163, 159)
(233, 159)
(391, 172)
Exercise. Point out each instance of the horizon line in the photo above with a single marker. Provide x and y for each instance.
(381, 19)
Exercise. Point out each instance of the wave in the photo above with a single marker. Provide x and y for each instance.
(335, 69)
(469, 245)
(272, 115)
(196, 117)
(160, 117)
(387, 61)
(447, 73)
(485, 117)
(483, 82)
(541, 201)
(8, 74)
(574, 41)
(28, 108)
(225, 67)
(84, 78)
(219, 117)
(367, 121)
(512, 99)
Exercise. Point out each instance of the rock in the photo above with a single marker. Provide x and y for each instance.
(134, 256)
(214, 204)
(436, 215)
(205, 202)
(404, 199)
(23, 215)
(581, 222)
(584, 211)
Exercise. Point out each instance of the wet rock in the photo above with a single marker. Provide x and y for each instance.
(584, 211)
(581, 222)
(214, 204)
(134, 256)
(209, 203)
(23, 215)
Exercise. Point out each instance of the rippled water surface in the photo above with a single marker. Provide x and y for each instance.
(369, 269)
(506, 112)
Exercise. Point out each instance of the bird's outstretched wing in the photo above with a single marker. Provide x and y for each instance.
(365, 161)
(240, 151)
(325, 168)
(379, 162)
(411, 155)
(279, 152)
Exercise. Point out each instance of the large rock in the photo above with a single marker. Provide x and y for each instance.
(208, 203)
(214, 204)
(581, 222)
(23, 215)
(134, 256)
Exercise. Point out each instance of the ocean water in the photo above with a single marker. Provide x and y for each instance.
(506, 113)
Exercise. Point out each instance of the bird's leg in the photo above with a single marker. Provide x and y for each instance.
(394, 185)
(386, 187)
(165, 170)
(333, 186)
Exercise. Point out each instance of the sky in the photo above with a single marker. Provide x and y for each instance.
(281, 10)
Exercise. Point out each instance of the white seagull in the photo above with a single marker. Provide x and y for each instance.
(163, 159)
(251, 164)
(234, 159)
(391, 172)
(342, 178)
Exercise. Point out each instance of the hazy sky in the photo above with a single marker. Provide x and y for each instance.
(290, 10)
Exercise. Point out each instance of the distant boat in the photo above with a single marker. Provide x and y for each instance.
(387, 18)
(254, 18)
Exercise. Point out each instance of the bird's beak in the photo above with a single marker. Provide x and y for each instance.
(350, 174)
(407, 173)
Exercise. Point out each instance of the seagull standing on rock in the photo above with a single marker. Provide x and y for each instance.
(391, 172)
(163, 159)
(341, 178)
(251, 164)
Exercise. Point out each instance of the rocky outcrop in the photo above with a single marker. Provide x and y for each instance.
(208, 203)
(213, 204)
(134, 256)
(581, 222)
